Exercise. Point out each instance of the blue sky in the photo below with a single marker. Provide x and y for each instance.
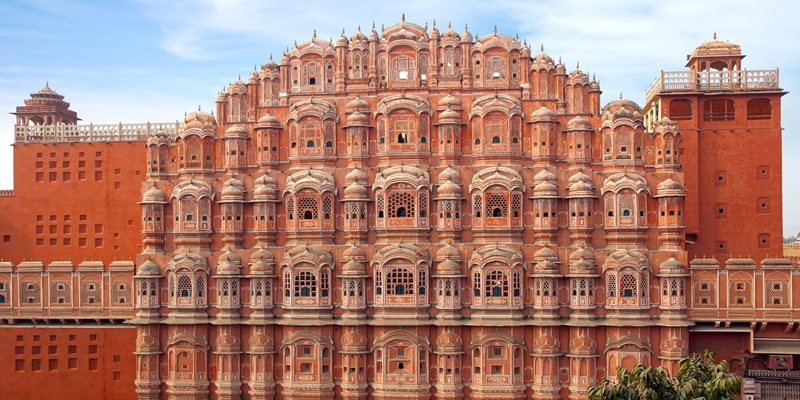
(152, 60)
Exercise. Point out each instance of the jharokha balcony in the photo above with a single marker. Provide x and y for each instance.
(713, 80)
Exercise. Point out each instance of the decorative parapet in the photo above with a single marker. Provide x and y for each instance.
(713, 81)
(92, 133)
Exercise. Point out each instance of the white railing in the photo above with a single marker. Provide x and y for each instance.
(92, 133)
(711, 80)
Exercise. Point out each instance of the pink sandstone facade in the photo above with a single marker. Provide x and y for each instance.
(411, 214)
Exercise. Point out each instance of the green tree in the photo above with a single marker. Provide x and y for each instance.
(699, 377)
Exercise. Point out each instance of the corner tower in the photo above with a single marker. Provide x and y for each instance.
(731, 118)
(46, 107)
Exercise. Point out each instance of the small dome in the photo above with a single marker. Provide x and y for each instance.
(581, 266)
(581, 253)
(356, 175)
(545, 189)
(261, 342)
(235, 132)
(670, 188)
(448, 252)
(546, 344)
(542, 59)
(354, 341)
(466, 37)
(228, 343)
(154, 195)
(268, 121)
(448, 188)
(359, 37)
(449, 116)
(580, 177)
(147, 344)
(544, 176)
(449, 173)
(623, 113)
(261, 262)
(232, 189)
(342, 41)
(449, 101)
(148, 268)
(448, 267)
(253, 78)
(357, 119)
(355, 191)
(579, 124)
(672, 266)
(229, 263)
(354, 253)
(543, 114)
(353, 267)
(582, 345)
(265, 180)
(357, 104)
(449, 342)
(451, 34)
(580, 189)
(545, 253)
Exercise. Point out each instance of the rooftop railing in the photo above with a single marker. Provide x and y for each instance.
(713, 81)
(92, 133)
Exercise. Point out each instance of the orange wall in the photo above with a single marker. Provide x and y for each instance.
(77, 362)
(74, 201)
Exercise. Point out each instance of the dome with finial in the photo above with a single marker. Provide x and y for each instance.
(232, 190)
(260, 342)
(543, 114)
(262, 262)
(561, 69)
(264, 188)
(357, 118)
(354, 253)
(357, 104)
(579, 124)
(672, 267)
(581, 186)
(450, 33)
(448, 252)
(356, 191)
(268, 121)
(154, 195)
(449, 342)
(353, 341)
(198, 123)
(544, 176)
(669, 188)
(466, 37)
(674, 347)
(449, 174)
(545, 261)
(583, 345)
(542, 61)
(227, 343)
(358, 37)
(546, 344)
(236, 132)
(148, 268)
(448, 188)
(147, 344)
(449, 101)
(449, 116)
(717, 48)
(271, 63)
(229, 263)
(355, 175)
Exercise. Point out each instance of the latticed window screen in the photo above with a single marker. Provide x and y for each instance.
(741, 293)
(310, 133)
(777, 293)
(496, 284)
(495, 130)
(627, 285)
(200, 285)
(153, 288)
(30, 292)
(258, 288)
(307, 208)
(305, 284)
(172, 286)
(287, 283)
(90, 293)
(423, 204)
(234, 288)
(326, 207)
(421, 279)
(643, 278)
(402, 129)
(143, 288)
(60, 293)
(477, 205)
(120, 293)
(497, 205)
(612, 285)
(399, 281)
(401, 205)
(517, 204)
(225, 288)
(546, 288)
(476, 281)
(290, 206)
(184, 286)
(378, 282)
(705, 293)
(324, 284)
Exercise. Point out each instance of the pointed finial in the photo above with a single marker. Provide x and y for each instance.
(373, 25)
(559, 59)
(330, 41)
(198, 107)
(541, 47)
(239, 77)
(295, 44)
(359, 28)
(426, 26)
(383, 28)
(270, 56)
(466, 27)
(525, 42)
(578, 66)
(715, 35)
(516, 36)
(403, 18)
(495, 30)
(620, 95)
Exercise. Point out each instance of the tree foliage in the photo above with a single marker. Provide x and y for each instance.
(699, 377)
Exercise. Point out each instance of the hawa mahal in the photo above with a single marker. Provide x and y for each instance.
(402, 214)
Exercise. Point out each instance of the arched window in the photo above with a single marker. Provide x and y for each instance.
(399, 281)
(305, 284)
(759, 108)
(401, 205)
(496, 284)
(680, 109)
(184, 286)
(719, 110)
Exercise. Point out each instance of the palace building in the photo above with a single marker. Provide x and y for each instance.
(403, 214)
